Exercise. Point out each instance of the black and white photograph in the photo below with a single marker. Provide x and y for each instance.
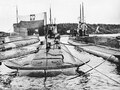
(59, 45)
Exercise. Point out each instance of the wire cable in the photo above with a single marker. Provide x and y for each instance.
(93, 68)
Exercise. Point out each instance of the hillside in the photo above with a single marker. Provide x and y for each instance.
(103, 28)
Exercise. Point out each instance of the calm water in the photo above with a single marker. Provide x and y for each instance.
(104, 77)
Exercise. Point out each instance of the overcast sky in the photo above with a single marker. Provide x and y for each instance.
(65, 11)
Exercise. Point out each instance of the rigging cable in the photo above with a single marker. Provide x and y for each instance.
(93, 68)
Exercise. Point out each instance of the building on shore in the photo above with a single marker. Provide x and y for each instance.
(31, 24)
(27, 28)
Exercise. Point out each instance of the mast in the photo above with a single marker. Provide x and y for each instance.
(82, 12)
(17, 18)
(50, 16)
(54, 20)
(46, 40)
(16, 14)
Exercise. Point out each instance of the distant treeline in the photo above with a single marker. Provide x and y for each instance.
(4, 34)
(103, 28)
(64, 27)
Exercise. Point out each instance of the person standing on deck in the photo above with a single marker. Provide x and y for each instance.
(79, 29)
(84, 29)
(50, 32)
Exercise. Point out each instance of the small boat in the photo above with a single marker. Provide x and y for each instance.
(18, 48)
(16, 53)
(18, 43)
(108, 53)
(46, 60)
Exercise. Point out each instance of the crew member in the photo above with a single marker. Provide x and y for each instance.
(84, 28)
(50, 33)
(79, 29)
(57, 40)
